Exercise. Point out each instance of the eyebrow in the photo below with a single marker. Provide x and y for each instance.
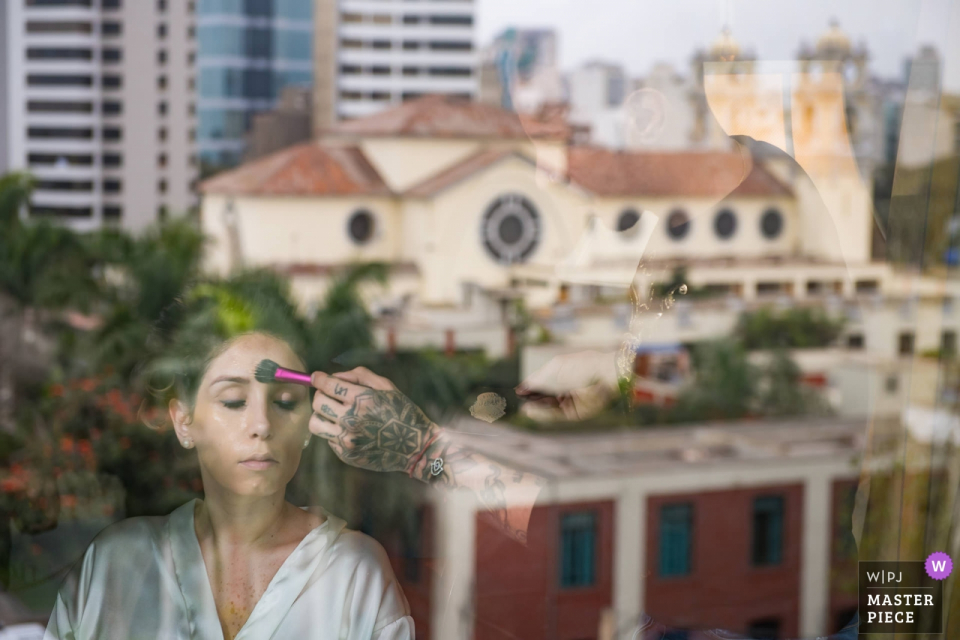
(238, 380)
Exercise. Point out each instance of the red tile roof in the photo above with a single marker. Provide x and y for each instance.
(438, 116)
(707, 174)
(462, 170)
(311, 169)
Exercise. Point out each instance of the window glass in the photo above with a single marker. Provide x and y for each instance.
(498, 406)
(771, 223)
(676, 539)
(678, 224)
(293, 10)
(627, 219)
(361, 226)
(295, 45)
(221, 123)
(768, 516)
(578, 533)
(725, 223)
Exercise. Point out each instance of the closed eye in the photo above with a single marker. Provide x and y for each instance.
(286, 405)
(234, 404)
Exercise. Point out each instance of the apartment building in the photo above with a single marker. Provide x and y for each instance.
(98, 106)
(373, 54)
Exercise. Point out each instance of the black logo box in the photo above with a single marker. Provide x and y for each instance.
(909, 578)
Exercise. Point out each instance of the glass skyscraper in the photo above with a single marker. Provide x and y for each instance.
(248, 50)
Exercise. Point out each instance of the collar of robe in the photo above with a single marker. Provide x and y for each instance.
(282, 591)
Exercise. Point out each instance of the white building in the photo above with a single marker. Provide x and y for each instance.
(97, 105)
(596, 92)
(371, 55)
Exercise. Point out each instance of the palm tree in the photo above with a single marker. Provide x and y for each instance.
(139, 278)
(342, 326)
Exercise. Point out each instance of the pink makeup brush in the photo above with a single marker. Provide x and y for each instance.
(269, 371)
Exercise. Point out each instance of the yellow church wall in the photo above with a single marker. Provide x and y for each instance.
(405, 162)
(295, 230)
(217, 255)
(701, 241)
(453, 247)
(551, 156)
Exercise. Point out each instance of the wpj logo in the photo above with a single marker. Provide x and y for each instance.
(903, 597)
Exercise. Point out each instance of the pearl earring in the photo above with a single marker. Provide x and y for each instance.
(187, 443)
(306, 442)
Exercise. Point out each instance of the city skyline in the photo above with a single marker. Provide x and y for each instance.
(891, 29)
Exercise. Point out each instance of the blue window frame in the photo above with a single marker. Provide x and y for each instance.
(578, 549)
(768, 530)
(676, 539)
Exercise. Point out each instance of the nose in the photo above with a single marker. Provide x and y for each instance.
(258, 417)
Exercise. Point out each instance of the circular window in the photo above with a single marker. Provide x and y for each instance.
(678, 224)
(771, 224)
(361, 226)
(511, 229)
(628, 220)
(725, 224)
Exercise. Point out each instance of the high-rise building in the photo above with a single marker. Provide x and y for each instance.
(249, 50)
(97, 105)
(520, 70)
(370, 56)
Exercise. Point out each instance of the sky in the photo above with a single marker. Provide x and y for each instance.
(638, 33)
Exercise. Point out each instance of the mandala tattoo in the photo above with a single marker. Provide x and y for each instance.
(386, 431)
(383, 431)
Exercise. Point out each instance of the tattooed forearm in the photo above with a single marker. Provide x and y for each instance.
(383, 430)
(507, 496)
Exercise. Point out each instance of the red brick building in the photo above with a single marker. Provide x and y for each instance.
(726, 526)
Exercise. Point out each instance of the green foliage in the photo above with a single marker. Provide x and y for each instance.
(45, 266)
(140, 279)
(343, 324)
(782, 392)
(793, 328)
(916, 225)
(15, 190)
(724, 387)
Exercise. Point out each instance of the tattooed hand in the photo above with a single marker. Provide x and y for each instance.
(368, 423)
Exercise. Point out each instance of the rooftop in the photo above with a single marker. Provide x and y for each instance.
(311, 169)
(704, 174)
(439, 116)
(632, 452)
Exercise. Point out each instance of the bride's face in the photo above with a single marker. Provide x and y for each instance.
(249, 435)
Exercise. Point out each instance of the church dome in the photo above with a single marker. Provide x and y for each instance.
(833, 40)
(725, 47)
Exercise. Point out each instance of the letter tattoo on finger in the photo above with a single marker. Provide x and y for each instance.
(328, 412)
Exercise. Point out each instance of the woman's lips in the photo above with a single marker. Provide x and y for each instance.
(259, 464)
